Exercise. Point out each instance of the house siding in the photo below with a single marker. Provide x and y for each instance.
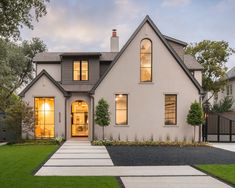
(53, 69)
(146, 100)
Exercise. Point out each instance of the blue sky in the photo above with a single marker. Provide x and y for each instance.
(85, 25)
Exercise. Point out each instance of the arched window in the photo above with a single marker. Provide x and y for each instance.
(146, 60)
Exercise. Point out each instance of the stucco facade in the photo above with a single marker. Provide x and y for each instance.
(119, 73)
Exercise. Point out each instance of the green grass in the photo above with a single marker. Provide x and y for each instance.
(225, 172)
(17, 164)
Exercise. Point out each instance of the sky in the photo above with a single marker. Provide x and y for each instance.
(85, 25)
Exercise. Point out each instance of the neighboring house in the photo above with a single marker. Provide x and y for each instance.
(229, 90)
(149, 84)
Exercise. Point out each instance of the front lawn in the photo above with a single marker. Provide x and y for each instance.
(17, 164)
(225, 172)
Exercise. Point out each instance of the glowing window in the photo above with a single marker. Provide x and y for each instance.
(121, 109)
(80, 70)
(170, 109)
(146, 60)
(44, 117)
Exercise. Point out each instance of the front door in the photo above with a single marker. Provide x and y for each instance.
(79, 119)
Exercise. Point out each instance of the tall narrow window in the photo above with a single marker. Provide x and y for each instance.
(44, 117)
(170, 109)
(121, 109)
(80, 70)
(146, 60)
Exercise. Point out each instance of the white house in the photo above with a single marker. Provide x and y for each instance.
(149, 84)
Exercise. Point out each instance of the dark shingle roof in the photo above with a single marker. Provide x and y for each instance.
(192, 63)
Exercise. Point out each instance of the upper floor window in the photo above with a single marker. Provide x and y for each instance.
(80, 70)
(229, 89)
(146, 60)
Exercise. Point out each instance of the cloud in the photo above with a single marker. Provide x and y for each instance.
(175, 3)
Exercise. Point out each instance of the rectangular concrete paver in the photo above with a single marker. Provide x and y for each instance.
(225, 146)
(120, 171)
(173, 182)
(78, 162)
(81, 156)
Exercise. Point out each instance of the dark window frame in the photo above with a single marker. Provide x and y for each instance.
(151, 57)
(80, 61)
(126, 123)
(175, 95)
(35, 111)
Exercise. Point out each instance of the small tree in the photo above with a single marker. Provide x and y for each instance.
(102, 115)
(195, 116)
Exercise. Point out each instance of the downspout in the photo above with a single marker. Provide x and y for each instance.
(93, 113)
(65, 124)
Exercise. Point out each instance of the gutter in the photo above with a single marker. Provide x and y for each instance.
(93, 114)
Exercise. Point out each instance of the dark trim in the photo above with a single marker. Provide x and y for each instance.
(65, 118)
(47, 62)
(93, 117)
(147, 19)
(126, 109)
(151, 61)
(43, 72)
(80, 54)
(175, 109)
(171, 39)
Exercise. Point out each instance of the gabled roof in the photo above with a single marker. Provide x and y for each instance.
(180, 42)
(192, 63)
(148, 20)
(43, 72)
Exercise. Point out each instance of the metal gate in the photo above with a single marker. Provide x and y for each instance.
(219, 128)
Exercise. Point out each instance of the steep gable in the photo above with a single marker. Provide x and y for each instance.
(166, 44)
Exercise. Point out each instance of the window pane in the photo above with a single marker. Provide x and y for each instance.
(145, 60)
(170, 109)
(84, 75)
(146, 74)
(146, 46)
(76, 65)
(121, 109)
(84, 65)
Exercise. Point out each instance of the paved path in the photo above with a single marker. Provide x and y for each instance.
(80, 158)
(225, 146)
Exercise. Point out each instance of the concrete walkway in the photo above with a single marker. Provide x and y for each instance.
(225, 146)
(80, 158)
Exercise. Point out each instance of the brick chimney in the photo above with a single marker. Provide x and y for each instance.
(114, 41)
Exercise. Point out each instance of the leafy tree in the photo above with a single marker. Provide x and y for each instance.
(15, 14)
(195, 116)
(102, 114)
(19, 114)
(212, 55)
(16, 67)
(224, 105)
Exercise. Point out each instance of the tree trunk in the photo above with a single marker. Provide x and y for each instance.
(200, 133)
(194, 133)
(103, 132)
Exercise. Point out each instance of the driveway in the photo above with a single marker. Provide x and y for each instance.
(151, 156)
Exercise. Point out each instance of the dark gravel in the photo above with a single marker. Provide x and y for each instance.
(140, 155)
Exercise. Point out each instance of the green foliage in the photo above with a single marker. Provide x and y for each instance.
(20, 114)
(224, 105)
(195, 116)
(16, 67)
(102, 115)
(213, 56)
(15, 14)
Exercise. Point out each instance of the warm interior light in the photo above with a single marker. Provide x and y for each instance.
(45, 107)
(120, 95)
